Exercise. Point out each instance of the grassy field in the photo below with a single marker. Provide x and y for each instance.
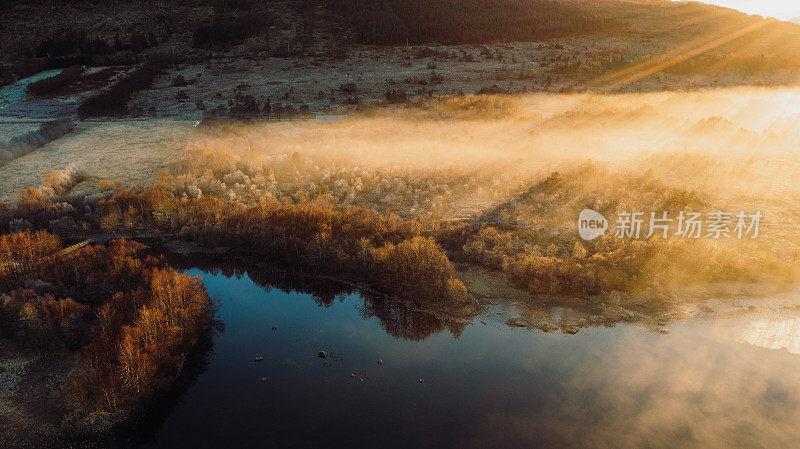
(132, 152)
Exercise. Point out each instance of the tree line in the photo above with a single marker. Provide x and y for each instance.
(465, 21)
(130, 319)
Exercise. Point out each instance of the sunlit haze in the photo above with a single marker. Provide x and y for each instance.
(450, 224)
(781, 9)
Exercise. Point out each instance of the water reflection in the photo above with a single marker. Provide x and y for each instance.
(771, 329)
(401, 321)
(398, 319)
(706, 384)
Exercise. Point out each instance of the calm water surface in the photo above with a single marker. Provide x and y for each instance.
(706, 384)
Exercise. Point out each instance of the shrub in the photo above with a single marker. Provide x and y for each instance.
(68, 41)
(105, 184)
(396, 96)
(132, 319)
(245, 107)
(464, 21)
(114, 100)
(27, 248)
(226, 29)
(494, 89)
(47, 132)
(417, 267)
(348, 88)
(60, 182)
(53, 83)
(179, 81)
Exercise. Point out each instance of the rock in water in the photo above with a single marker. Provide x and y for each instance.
(516, 322)
(322, 354)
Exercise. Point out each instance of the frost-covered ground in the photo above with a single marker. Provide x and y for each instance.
(18, 106)
(730, 142)
(14, 93)
(362, 77)
(128, 151)
(16, 128)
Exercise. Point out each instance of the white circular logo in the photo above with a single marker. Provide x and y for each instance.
(591, 224)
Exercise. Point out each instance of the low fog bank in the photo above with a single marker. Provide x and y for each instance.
(734, 146)
(498, 182)
(518, 170)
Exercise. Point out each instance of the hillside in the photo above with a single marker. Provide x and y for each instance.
(249, 59)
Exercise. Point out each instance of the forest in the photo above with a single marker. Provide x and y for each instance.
(470, 21)
(382, 250)
(129, 319)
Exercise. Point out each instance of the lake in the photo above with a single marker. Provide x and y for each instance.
(708, 383)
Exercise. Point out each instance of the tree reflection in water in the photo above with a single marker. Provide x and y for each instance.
(399, 319)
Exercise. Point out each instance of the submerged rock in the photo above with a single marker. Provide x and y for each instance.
(664, 331)
(322, 354)
(706, 309)
(516, 322)
(572, 330)
(545, 327)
